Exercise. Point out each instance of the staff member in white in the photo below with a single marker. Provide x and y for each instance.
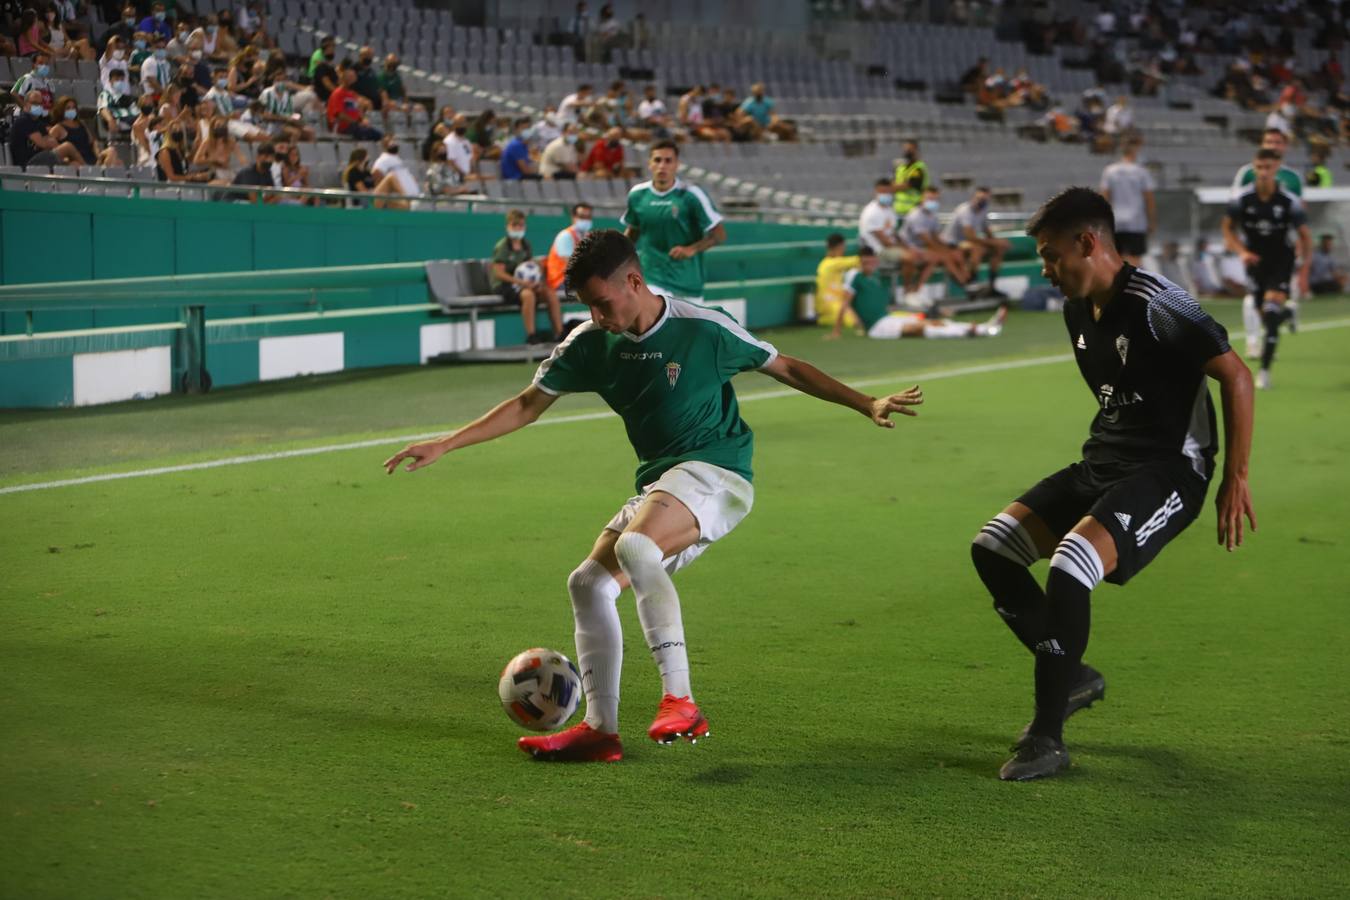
(877, 225)
(1128, 187)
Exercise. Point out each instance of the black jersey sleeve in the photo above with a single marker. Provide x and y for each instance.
(1181, 325)
(1298, 215)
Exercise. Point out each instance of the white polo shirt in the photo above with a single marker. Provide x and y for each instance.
(876, 217)
(459, 153)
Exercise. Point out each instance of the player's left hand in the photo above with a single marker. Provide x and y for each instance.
(1233, 501)
(680, 252)
(1303, 282)
(882, 407)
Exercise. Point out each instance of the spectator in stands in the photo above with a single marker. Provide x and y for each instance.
(911, 178)
(124, 28)
(395, 96)
(279, 116)
(31, 142)
(1119, 119)
(560, 161)
(605, 159)
(459, 151)
(1210, 280)
(759, 107)
(68, 128)
(347, 109)
(245, 74)
(560, 251)
(69, 38)
(482, 133)
(973, 78)
(171, 160)
(178, 44)
(921, 231)
(116, 107)
(689, 114)
(969, 229)
(326, 52)
(29, 36)
(507, 255)
(1324, 275)
(219, 153)
(618, 105)
(144, 136)
(578, 31)
(367, 82)
(609, 35)
(829, 281)
(356, 176)
(114, 60)
(36, 79)
(641, 33)
(542, 133)
(258, 175)
(389, 168)
(156, 71)
(652, 115)
(157, 22)
(217, 41)
(575, 105)
(516, 164)
(444, 179)
(1129, 187)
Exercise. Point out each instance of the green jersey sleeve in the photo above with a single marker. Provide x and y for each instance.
(740, 351)
(570, 368)
(629, 218)
(705, 213)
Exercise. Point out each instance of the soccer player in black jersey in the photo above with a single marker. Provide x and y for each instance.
(1266, 213)
(1144, 347)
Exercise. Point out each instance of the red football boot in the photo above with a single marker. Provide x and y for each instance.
(678, 717)
(580, 743)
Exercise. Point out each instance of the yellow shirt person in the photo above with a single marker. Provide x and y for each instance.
(829, 278)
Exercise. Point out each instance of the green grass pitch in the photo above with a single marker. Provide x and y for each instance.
(277, 679)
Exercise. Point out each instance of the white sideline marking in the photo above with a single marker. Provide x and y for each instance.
(566, 420)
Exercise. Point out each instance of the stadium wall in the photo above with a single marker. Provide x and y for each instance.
(58, 237)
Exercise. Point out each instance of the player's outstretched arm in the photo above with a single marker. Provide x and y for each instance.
(1234, 499)
(803, 376)
(504, 418)
(1305, 245)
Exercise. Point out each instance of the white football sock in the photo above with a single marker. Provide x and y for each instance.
(599, 642)
(949, 330)
(658, 609)
(1251, 320)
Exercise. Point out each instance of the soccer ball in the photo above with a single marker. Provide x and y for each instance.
(540, 689)
(529, 271)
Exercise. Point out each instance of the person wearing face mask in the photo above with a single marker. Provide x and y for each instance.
(347, 109)
(911, 178)
(543, 131)
(605, 158)
(560, 159)
(218, 152)
(443, 179)
(36, 79)
(760, 107)
(156, 71)
(367, 82)
(507, 255)
(877, 225)
(279, 111)
(560, 251)
(516, 164)
(140, 50)
(390, 167)
(145, 140)
(922, 232)
(245, 74)
(123, 29)
(114, 60)
(969, 230)
(258, 175)
(30, 139)
(116, 107)
(459, 150)
(67, 128)
(393, 95)
(483, 134)
(157, 22)
(864, 294)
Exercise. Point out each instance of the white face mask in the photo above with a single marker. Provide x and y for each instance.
(37, 110)
(515, 233)
(931, 205)
(886, 199)
(118, 54)
(582, 225)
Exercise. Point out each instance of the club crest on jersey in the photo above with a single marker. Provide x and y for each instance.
(672, 373)
(1122, 347)
(1082, 344)
(674, 211)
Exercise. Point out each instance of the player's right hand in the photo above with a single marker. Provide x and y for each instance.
(423, 453)
(882, 407)
(1249, 258)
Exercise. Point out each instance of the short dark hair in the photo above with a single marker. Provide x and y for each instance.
(1267, 153)
(266, 147)
(578, 207)
(599, 255)
(835, 240)
(1274, 130)
(983, 189)
(865, 251)
(883, 182)
(666, 144)
(515, 215)
(1074, 209)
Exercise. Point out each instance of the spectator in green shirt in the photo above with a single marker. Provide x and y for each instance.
(510, 253)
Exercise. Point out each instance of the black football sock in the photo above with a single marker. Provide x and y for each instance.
(1272, 315)
(1059, 654)
(1018, 598)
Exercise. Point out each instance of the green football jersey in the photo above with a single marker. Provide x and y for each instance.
(1287, 178)
(871, 299)
(671, 385)
(674, 218)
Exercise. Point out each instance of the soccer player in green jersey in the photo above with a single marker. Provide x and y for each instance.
(665, 366)
(672, 223)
